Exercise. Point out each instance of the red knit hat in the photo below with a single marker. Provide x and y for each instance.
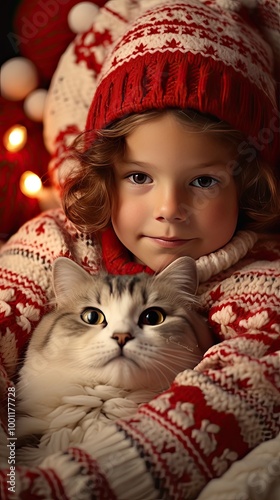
(206, 55)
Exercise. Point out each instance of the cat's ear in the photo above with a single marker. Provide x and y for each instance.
(182, 274)
(67, 276)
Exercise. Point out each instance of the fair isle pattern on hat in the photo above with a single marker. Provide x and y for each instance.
(268, 16)
(78, 73)
(190, 54)
(184, 27)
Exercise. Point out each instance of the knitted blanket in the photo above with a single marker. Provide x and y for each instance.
(210, 418)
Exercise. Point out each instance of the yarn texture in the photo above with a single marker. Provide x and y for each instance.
(205, 57)
(210, 417)
(204, 436)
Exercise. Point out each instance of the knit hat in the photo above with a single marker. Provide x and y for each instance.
(207, 55)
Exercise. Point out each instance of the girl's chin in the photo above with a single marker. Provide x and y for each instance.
(158, 263)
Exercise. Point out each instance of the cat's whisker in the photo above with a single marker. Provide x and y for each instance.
(175, 369)
(165, 366)
(177, 363)
(149, 369)
(177, 351)
(177, 354)
(168, 380)
(190, 355)
(158, 374)
(108, 338)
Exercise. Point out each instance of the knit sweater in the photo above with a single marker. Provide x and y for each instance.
(209, 418)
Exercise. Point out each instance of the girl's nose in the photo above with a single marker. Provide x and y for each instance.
(170, 206)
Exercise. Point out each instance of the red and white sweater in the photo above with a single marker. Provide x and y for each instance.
(209, 418)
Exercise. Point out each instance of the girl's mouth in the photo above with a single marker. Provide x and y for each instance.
(168, 242)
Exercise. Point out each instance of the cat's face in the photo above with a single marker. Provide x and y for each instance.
(127, 331)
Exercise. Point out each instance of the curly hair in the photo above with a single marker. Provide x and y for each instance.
(88, 191)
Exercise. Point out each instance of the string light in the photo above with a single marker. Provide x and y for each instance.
(15, 138)
(30, 184)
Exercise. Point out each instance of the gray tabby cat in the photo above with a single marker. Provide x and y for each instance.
(112, 343)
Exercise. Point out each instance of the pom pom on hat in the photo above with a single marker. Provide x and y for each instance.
(235, 5)
(81, 16)
(185, 55)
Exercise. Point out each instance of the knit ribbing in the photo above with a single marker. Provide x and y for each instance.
(215, 262)
(117, 259)
(191, 55)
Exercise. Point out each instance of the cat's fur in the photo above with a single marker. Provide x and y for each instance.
(77, 376)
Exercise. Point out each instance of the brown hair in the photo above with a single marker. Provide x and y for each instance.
(88, 190)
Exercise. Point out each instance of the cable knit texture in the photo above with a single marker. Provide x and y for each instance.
(79, 71)
(209, 418)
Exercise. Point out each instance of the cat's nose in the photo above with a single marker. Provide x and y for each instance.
(122, 337)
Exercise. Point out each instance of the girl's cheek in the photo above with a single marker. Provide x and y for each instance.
(204, 203)
(217, 207)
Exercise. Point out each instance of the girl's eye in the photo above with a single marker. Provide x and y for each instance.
(152, 316)
(140, 178)
(93, 316)
(204, 182)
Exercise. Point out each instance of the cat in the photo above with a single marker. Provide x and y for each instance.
(110, 344)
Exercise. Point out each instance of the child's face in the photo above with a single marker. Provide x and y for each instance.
(175, 194)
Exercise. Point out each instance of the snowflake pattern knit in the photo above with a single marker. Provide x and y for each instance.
(209, 418)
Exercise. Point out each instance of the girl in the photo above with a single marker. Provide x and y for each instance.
(168, 167)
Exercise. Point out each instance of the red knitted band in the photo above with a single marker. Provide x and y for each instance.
(146, 85)
(192, 54)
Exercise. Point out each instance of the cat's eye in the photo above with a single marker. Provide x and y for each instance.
(93, 316)
(152, 316)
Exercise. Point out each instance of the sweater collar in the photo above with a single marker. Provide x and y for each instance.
(215, 262)
(117, 259)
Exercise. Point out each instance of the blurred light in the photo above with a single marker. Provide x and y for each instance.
(30, 184)
(15, 138)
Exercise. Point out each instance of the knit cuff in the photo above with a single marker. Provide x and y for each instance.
(116, 471)
(30, 483)
(79, 474)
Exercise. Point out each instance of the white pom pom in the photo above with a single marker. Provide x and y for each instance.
(81, 16)
(235, 5)
(34, 104)
(229, 4)
(18, 78)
